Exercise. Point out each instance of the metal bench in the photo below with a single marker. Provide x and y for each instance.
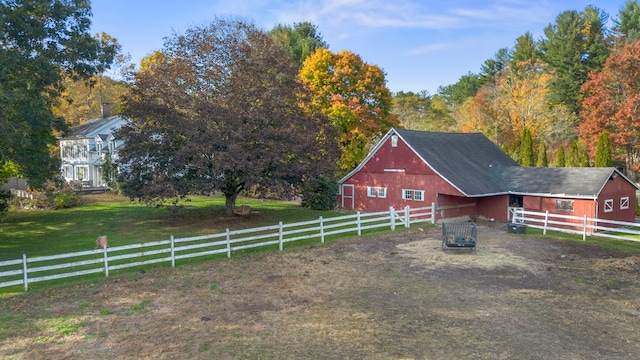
(459, 235)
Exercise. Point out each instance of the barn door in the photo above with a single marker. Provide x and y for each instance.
(348, 191)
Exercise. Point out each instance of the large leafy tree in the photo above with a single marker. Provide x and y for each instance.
(300, 40)
(81, 99)
(514, 104)
(220, 111)
(40, 40)
(421, 111)
(354, 95)
(611, 104)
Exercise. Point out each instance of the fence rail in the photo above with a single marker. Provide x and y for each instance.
(577, 225)
(46, 268)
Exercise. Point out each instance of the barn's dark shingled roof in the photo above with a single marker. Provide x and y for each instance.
(570, 181)
(464, 159)
(477, 167)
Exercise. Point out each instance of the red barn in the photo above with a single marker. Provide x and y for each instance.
(466, 175)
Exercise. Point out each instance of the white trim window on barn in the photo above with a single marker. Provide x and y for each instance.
(608, 205)
(564, 205)
(416, 195)
(380, 192)
(624, 202)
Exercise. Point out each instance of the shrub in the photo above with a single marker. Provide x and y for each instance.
(66, 198)
(320, 193)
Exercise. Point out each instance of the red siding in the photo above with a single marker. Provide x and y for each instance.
(532, 203)
(614, 190)
(494, 207)
(580, 208)
(396, 168)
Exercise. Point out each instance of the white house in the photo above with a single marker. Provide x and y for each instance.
(84, 150)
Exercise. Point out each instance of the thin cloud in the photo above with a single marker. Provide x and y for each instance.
(413, 14)
(430, 48)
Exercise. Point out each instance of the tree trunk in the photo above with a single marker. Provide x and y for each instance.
(230, 203)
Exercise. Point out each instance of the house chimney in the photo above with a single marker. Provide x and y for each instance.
(105, 108)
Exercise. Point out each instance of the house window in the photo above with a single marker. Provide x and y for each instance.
(380, 192)
(608, 205)
(82, 172)
(566, 205)
(624, 202)
(394, 141)
(417, 195)
(66, 172)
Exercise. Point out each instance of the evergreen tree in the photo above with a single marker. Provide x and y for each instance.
(584, 158)
(629, 22)
(526, 149)
(573, 157)
(525, 51)
(572, 47)
(542, 160)
(560, 160)
(603, 151)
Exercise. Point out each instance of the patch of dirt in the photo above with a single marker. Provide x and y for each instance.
(397, 296)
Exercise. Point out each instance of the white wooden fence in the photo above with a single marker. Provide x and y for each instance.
(577, 225)
(45, 268)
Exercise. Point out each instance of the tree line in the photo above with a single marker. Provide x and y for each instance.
(228, 107)
(223, 107)
(565, 99)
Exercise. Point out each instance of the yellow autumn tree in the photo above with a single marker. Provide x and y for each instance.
(82, 100)
(354, 96)
(521, 103)
(476, 114)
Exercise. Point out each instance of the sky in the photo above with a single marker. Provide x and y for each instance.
(420, 44)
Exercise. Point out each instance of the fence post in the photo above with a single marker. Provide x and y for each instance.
(392, 215)
(106, 261)
(407, 218)
(173, 252)
(433, 213)
(359, 227)
(546, 223)
(321, 230)
(228, 244)
(24, 272)
(584, 232)
(280, 235)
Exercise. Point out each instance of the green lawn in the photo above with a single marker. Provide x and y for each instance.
(40, 232)
(626, 246)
